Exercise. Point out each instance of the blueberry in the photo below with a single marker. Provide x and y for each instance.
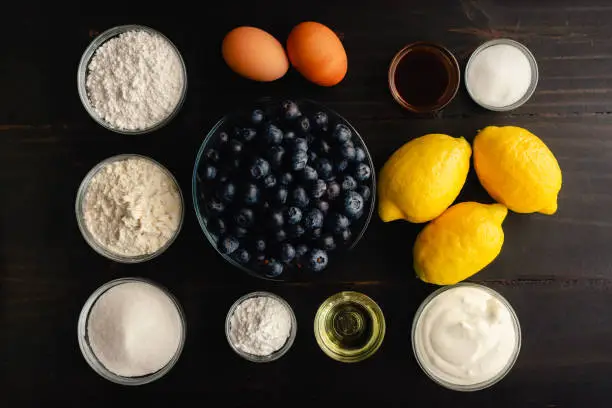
(299, 160)
(248, 134)
(363, 172)
(327, 242)
(323, 146)
(359, 154)
(273, 268)
(312, 156)
(227, 245)
(299, 197)
(223, 138)
(215, 205)
(273, 135)
(212, 155)
(216, 226)
(317, 260)
(245, 217)
(304, 124)
(242, 256)
(276, 155)
(318, 189)
(342, 165)
(324, 168)
(251, 194)
(313, 219)
(365, 192)
(348, 151)
(280, 235)
(348, 183)
(257, 116)
(260, 168)
(287, 252)
(342, 133)
(259, 244)
(210, 172)
(323, 206)
(280, 195)
(227, 192)
(320, 119)
(290, 110)
(316, 233)
(270, 181)
(235, 146)
(345, 235)
(276, 219)
(295, 231)
(289, 136)
(293, 215)
(309, 174)
(287, 178)
(301, 250)
(240, 232)
(353, 204)
(300, 144)
(333, 190)
(337, 222)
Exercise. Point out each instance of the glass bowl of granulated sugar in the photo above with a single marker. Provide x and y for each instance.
(129, 208)
(132, 79)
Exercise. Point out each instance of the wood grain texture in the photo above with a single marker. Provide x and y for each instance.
(555, 270)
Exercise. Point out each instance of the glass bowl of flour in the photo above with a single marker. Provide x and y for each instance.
(129, 208)
(132, 79)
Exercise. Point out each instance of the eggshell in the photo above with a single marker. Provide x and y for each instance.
(254, 54)
(317, 53)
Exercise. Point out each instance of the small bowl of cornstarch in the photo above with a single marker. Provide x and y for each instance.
(129, 208)
(132, 79)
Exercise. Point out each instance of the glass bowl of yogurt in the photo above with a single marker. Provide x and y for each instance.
(466, 337)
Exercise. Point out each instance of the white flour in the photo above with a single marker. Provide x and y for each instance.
(260, 326)
(135, 80)
(132, 207)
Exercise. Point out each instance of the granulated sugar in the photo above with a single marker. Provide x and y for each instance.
(135, 80)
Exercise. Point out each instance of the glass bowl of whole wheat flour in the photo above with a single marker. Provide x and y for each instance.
(132, 79)
(129, 208)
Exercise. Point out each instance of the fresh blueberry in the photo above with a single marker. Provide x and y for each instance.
(280, 235)
(309, 174)
(327, 242)
(295, 231)
(242, 256)
(317, 260)
(270, 181)
(337, 222)
(324, 168)
(313, 219)
(245, 217)
(215, 205)
(289, 136)
(342, 165)
(304, 124)
(212, 155)
(348, 151)
(216, 226)
(348, 183)
(365, 192)
(276, 219)
(260, 168)
(227, 244)
(323, 206)
(300, 144)
(251, 194)
(345, 235)
(223, 138)
(257, 116)
(293, 215)
(240, 232)
(235, 146)
(280, 195)
(353, 204)
(273, 135)
(359, 154)
(349, 143)
(316, 233)
(276, 155)
(342, 133)
(227, 192)
(210, 172)
(333, 190)
(287, 178)
(318, 189)
(299, 197)
(273, 268)
(287, 252)
(290, 110)
(363, 172)
(248, 134)
(259, 244)
(312, 156)
(299, 160)
(320, 119)
(301, 250)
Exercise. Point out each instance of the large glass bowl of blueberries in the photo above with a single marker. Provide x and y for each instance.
(283, 187)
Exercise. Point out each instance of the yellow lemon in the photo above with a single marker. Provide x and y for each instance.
(459, 243)
(422, 178)
(517, 169)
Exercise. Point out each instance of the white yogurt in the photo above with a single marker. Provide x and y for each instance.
(466, 335)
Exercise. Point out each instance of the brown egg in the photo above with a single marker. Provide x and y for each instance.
(317, 53)
(254, 54)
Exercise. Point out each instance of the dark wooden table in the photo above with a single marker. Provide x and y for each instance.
(555, 270)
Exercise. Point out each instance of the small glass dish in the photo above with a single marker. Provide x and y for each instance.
(532, 63)
(484, 384)
(278, 353)
(91, 358)
(80, 201)
(82, 78)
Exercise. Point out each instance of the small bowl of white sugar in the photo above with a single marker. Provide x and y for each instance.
(501, 75)
(260, 327)
(129, 208)
(131, 331)
(132, 79)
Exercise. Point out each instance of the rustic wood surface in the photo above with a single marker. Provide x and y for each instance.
(555, 270)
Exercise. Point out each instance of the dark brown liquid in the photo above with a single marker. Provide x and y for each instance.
(422, 77)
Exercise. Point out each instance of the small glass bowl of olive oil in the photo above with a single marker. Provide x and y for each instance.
(349, 327)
